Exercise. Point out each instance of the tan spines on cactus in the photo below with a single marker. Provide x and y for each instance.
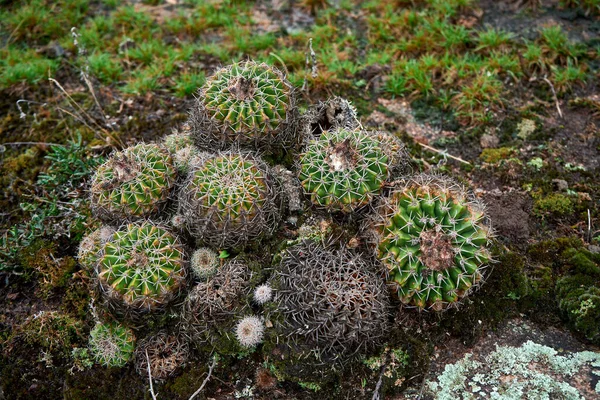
(142, 268)
(230, 199)
(133, 183)
(91, 245)
(433, 237)
(246, 104)
(344, 169)
(212, 304)
(329, 299)
(164, 353)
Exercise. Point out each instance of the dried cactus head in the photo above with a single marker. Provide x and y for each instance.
(210, 309)
(330, 115)
(329, 301)
(112, 344)
(229, 200)
(246, 104)
(433, 237)
(141, 268)
(133, 183)
(344, 169)
(165, 353)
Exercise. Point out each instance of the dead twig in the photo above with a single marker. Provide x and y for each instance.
(311, 61)
(444, 153)
(150, 377)
(210, 369)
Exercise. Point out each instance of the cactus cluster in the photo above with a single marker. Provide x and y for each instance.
(344, 169)
(181, 147)
(230, 199)
(141, 267)
(112, 344)
(133, 183)
(330, 299)
(247, 104)
(433, 238)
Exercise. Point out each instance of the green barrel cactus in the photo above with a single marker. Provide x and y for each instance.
(133, 183)
(344, 169)
(229, 200)
(433, 238)
(141, 267)
(247, 104)
(112, 344)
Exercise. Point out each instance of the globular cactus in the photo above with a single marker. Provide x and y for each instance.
(249, 331)
(263, 294)
(204, 263)
(164, 353)
(142, 267)
(432, 237)
(209, 310)
(328, 301)
(181, 147)
(344, 169)
(112, 344)
(133, 183)
(247, 104)
(90, 246)
(229, 200)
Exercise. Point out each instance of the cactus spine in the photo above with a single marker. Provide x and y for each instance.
(133, 183)
(433, 240)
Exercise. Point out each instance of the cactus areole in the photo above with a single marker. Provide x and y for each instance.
(433, 241)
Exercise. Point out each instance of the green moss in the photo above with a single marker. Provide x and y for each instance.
(53, 271)
(555, 203)
(493, 156)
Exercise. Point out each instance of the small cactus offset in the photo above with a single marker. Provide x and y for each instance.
(90, 246)
(210, 307)
(344, 169)
(112, 344)
(181, 147)
(330, 299)
(141, 267)
(248, 104)
(133, 183)
(433, 239)
(204, 263)
(230, 200)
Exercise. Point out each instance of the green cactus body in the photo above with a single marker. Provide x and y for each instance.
(142, 266)
(229, 200)
(133, 183)
(344, 169)
(247, 104)
(433, 241)
(112, 344)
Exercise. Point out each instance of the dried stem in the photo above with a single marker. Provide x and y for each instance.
(210, 369)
